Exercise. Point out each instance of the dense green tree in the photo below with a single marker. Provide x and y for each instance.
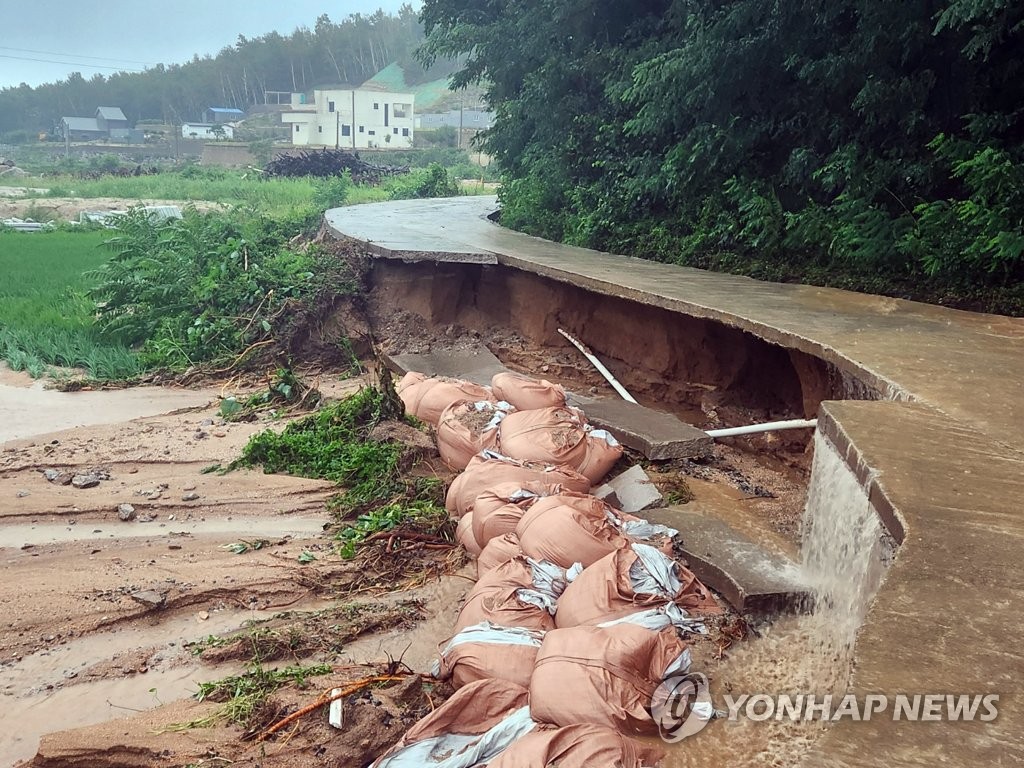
(865, 142)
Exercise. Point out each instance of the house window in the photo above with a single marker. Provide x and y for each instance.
(346, 130)
(396, 131)
(330, 106)
(296, 127)
(319, 129)
(405, 131)
(362, 128)
(372, 133)
(376, 105)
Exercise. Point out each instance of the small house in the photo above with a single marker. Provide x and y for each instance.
(206, 131)
(220, 115)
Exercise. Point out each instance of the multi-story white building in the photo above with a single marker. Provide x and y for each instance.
(352, 119)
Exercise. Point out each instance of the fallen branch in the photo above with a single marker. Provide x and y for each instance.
(327, 698)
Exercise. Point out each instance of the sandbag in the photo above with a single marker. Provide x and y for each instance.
(490, 469)
(629, 580)
(559, 436)
(485, 650)
(466, 428)
(497, 511)
(464, 535)
(578, 746)
(474, 726)
(568, 528)
(498, 550)
(603, 451)
(605, 675)
(518, 593)
(525, 393)
(426, 398)
(552, 435)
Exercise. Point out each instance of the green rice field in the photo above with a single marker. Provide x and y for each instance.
(45, 317)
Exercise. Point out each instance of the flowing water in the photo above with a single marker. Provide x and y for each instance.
(842, 556)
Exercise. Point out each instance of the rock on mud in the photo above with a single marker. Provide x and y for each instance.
(85, 481)
(149, 598)
(125, 512)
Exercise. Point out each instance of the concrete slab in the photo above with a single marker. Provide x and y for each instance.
(632, 491)
(655, 434)
(752, 578)
(476, 364)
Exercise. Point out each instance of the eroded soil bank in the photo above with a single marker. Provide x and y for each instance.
(110, 625)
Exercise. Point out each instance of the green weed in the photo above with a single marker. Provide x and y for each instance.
(334, 444)
(243, 695)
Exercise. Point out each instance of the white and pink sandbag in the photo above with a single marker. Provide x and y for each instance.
(525, 393)
(578, 746)
(426, 397)
(520, 592)
(636, 578)
(606, 675)
(498, 550)
(559, 435)
(486, 651)
(479, 722)
(466, 428)
(569, 528)
(490, 469)
(497, 510)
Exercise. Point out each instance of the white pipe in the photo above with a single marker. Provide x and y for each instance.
(770, 426)
(600, 367)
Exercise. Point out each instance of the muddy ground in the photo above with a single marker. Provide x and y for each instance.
(109, 626)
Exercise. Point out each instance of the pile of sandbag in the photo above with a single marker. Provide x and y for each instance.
(579, 611)
(519, 417)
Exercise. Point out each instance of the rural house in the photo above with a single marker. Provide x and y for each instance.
(207, 131)
(106, 123)
(221, 115)
(352, 119)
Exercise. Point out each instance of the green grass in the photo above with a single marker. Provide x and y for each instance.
(45, 318)
(219, 186)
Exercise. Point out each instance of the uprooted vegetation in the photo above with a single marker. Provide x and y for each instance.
(367, 445)
(207, 288)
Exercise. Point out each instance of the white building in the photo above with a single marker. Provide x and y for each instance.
(352, 119)
(206, 131)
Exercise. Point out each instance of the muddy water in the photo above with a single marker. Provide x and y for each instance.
(841, 563)
(28, 409)
(50, 691)
(271, 527)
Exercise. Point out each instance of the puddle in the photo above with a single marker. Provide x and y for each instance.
(739, 510)
(33, 410)
(56, 533)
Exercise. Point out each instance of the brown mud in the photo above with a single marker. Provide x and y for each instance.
(110, 625)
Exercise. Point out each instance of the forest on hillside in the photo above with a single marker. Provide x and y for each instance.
(867, 144)
(344, 53)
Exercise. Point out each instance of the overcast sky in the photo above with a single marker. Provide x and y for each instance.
(130, 34)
